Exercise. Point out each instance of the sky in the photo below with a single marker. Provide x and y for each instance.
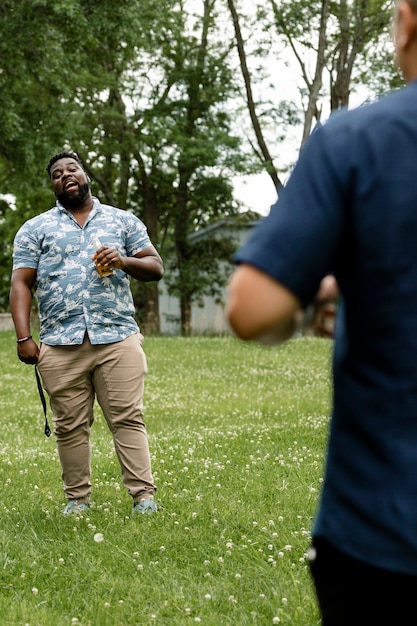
(257, 192)
(282, 82)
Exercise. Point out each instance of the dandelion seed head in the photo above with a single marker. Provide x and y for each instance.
(98, 537)
(35, 591)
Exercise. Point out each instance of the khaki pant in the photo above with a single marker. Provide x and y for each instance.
(73, 377)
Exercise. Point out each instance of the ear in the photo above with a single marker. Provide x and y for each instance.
(406, 24)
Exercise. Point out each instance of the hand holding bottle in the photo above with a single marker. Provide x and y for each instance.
(103, 270)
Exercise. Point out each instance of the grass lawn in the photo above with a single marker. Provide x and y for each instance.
(237, 435)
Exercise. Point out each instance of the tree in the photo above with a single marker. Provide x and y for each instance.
(148, 95)
(158, 139)
(339, 36)
(265, 154)
(144, 106)
(344, 42)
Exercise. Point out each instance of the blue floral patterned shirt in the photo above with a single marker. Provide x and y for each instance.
(72, 297)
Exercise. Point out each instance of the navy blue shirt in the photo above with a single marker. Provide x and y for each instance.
(350, 208)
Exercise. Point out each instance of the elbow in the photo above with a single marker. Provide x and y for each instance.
(155, 271)
(159, 272)
(238, 323)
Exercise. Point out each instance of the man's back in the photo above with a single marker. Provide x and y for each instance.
(350, 208)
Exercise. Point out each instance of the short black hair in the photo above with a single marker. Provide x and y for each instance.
(63, 155)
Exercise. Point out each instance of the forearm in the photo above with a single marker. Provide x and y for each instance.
(20, 308)
(259, 308)
(146, 269)
(278, 334)
(269, 333)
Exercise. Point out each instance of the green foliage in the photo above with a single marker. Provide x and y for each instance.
(206, 271)
(140, 96)
(148, 94)
(237, 442)
(358, 51)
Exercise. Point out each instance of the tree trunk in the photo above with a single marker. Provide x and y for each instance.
(267, 158)
(151, 321)
(186, 322)
(146, 299)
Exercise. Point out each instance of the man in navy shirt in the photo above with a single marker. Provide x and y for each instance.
(350, 209)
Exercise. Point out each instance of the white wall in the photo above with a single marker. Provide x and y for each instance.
(208, 319)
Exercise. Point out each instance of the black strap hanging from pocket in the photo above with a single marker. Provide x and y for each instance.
(43, 400)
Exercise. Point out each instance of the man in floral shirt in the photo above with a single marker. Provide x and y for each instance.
(90, 344)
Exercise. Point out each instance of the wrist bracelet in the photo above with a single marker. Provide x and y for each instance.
(24, 339)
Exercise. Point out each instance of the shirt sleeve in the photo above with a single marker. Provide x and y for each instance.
(26, 248)
(298, 241)
(137, 238)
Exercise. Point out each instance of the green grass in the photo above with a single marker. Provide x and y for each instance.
(237, 435)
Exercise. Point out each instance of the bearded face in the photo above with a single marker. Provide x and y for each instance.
(74, 196)
(70, 183)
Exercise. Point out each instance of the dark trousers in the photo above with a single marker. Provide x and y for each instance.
(352, 593)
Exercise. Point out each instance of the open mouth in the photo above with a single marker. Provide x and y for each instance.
(71, 185)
